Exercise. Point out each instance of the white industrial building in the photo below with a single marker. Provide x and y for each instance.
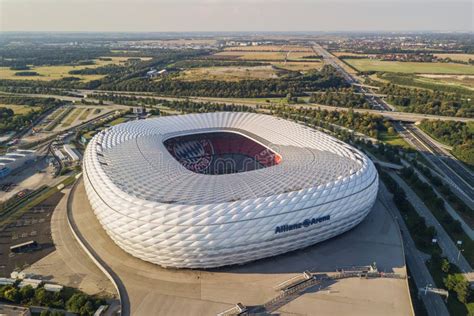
(14, 160)
(73, 154)
(215, 189)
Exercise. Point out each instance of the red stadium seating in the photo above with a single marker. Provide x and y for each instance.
(204, 147)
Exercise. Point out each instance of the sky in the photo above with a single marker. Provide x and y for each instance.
(236, 15)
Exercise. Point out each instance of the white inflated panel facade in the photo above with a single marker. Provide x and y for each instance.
(158, 211)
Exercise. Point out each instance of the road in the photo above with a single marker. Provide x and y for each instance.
(447, 245)
(446, 165)
(467, 229)
(374, 100)
(414, 258)
(391, 115)
(466, 175)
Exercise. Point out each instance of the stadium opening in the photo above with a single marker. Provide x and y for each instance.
(220, 153)
(216, 189)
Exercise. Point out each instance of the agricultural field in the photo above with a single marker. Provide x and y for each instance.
(433, 81)
(458, 57)
(410, 67)
(456, 80)
(264, 56)
(339, 54)
(231, 73)
(19, 109)
(271, 48)
(299, 65)
(47, 73)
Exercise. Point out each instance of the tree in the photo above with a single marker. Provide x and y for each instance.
(12, 295)
(458, 284)
(42, 297)
(27, 293)
(445, 265)
(75, 302)
(87, 308)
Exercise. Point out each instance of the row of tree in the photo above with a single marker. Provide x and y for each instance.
(366, 123)
(437, 206)
(67, 299)
(451, 278)
(421, 233)
(326, 78)
(462, 208)
(427, 101)
(46, 55)
(460, 135)
(9, 121)
(345, 97)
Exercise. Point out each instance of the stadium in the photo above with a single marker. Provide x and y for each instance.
(216, 189)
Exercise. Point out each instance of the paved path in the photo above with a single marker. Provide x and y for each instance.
(467, 229)
(68, 264)
(415, 259)
(447, 245)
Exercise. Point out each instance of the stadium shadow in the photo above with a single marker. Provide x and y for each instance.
(146, 287)
(375, 239)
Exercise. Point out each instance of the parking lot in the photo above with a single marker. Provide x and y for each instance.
(33, 225)
(31, 177)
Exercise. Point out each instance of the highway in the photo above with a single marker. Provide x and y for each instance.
(451, 169)
(451, 161)
(391, 115)
(375, 101)
(416, 262)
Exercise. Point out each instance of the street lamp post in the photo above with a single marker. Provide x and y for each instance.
(459, 244)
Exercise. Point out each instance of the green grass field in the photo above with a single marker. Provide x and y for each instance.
(85, 114)
(118, 121)
(47, 73)
(19, 109)
(410, 67)
(394, 140)
(71, 117)
(231, 73)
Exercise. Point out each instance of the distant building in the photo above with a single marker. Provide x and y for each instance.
(153, 73)
(34, 283)
(72, 152)
(139, 110)
(14, 160)
(7, 281)
(53, 287)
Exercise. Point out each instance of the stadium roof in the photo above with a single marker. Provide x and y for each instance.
(133, 156)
